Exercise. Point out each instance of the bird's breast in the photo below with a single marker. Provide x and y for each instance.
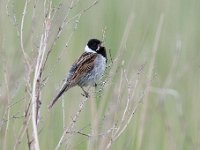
(100, 65)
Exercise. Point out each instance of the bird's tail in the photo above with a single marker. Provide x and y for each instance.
(64, 88)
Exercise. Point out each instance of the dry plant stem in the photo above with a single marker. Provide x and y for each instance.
(128, 100)
(27, 114)
(104, 34)
(113, 70)
(58, 34)
(125, 122)
(149, 77)
(120, 52)
(8, 110)
(28, 86)
(120, 86)
(26, 57)
(69, 129)
(94, 124)
(41, 57)
(28, 140)
(21, 35)
(99, 134)
(104, 43)
(24, 128)
(37, 83)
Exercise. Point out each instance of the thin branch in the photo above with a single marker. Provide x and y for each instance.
(37, 81)
(104, 34)
(128, 99)
(124, 123)
(118, 58)
(21, 35)
(8, 110)
(100, 134)
(84, 134)
(28, 139)
(72, 124)
(23, 129)
(124, 127)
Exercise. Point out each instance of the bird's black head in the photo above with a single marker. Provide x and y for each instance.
(94, 44)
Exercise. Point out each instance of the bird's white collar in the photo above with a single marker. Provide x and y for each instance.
(87, 49)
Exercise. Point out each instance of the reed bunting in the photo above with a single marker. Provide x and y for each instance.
(87, 70)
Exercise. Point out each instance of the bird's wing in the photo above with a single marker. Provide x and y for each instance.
(83, 65)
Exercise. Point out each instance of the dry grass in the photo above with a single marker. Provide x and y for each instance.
(148, 98)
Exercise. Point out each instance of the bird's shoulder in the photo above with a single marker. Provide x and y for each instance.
(83, 65)
(86, 57)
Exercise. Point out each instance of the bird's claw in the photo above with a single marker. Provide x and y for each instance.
(86, 94)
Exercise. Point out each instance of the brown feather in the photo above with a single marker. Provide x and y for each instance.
(84, 65)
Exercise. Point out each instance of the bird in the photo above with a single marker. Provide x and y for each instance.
(87, 70)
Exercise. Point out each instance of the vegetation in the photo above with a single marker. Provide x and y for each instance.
(149, 98)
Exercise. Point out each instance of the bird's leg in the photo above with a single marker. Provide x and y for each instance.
(86, 94)
(95, 85)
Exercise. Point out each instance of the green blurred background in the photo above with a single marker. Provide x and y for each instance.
(172, 120)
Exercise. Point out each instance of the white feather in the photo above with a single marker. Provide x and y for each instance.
(87, 49)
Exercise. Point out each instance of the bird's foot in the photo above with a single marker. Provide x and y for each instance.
(86, 94)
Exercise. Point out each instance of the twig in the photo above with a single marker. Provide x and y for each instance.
(37, 81)
(84, 134)
(103, 40)
(23, 129)
(119, 55)
(8, 110)
(109, 51)
(21, 35)
(124, 123)
(100, 134)
(72, 124)
(28, 139)
(14, 103)
(128, 99)
(104, 34)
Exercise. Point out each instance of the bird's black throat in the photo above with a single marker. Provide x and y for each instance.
(102, 51)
